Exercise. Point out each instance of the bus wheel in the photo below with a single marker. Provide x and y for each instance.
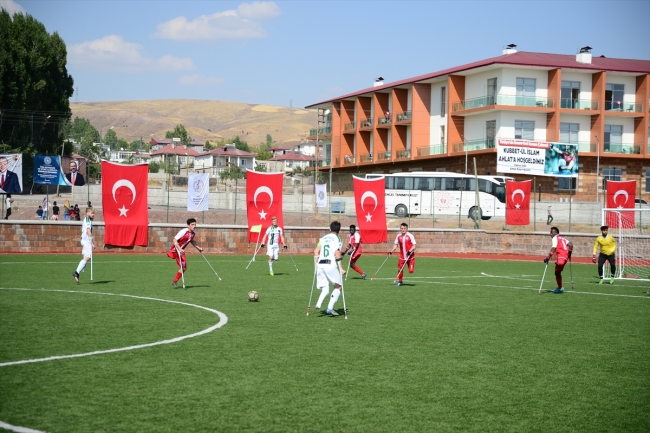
(474, 213)
(485, 218)
(401, 211)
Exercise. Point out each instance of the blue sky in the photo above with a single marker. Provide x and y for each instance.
(302, 52)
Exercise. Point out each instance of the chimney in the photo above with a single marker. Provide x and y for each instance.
(584, 56)
(509, 49)
(379, 81)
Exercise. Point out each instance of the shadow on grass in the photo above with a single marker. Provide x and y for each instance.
(101, 282)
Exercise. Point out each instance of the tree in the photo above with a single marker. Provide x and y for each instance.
(233, 172)
(122, 144)
(240, 144)
(209, 146)
(35, 86)
(136, 145)
(110, 139)
(261, 168)
(179, 132)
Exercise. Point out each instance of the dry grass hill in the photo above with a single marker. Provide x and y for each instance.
(204, 120)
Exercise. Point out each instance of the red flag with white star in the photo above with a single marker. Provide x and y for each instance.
(263, 201)
(370, 202)
(518, 203)
(620, 195)
(124, 204)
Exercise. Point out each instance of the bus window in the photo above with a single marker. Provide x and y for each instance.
(485, 186)
(460, 184)
(423, 183)
(408, 183)
(500, 193)
(390, 182)
(400, 183)
(436, 184)
(472, 184)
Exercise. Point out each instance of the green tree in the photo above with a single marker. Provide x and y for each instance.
(260, 168)
(110, 139)
(209, 146)
(122, 144)
(136, 145)
(179, 132)
(240, 144)
(154, 167)
(35, 86)
(232, 172)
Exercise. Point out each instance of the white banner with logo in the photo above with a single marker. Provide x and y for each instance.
(198, 186)
(537, 158)
(321, 195)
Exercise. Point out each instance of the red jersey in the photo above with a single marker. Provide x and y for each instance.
(355, 241)
(406, 242)
(560, 245)
(184, 237)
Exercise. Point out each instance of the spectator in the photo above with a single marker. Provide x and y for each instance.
(72, 214)
(39, 212)
(66, 210)
(77, 216)
(55, 212)
(549, 218)
(8, 200)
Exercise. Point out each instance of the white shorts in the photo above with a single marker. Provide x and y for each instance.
(328, 274)
(87, 248)
(272, 251)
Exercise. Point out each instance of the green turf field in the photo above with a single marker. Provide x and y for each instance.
(464, 345)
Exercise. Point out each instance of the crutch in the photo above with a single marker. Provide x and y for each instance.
(345, 309)
(180, 261)
(206, 260)
(313, 282)
(382, 265)
(253, 259)
(402, 268)
(290, 256)
(542, 283)
(349, 261)
(571, 272)
(91, 260)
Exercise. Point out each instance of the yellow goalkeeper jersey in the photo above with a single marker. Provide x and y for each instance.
(607, 245)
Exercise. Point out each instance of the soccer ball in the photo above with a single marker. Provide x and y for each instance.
(253, 296)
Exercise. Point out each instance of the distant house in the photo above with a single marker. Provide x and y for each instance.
(178, 155)
(287, 162)
(282, 149)
(217, 160)
(159, 143)
(306, 147)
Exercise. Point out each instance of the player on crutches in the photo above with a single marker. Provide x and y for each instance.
(328, 268)
(406, 244)
(355, 245)
(177, 250)
(87, 243)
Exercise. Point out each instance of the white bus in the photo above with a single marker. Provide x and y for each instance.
(439, 193)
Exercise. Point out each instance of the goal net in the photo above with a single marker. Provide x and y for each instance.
(631, 230)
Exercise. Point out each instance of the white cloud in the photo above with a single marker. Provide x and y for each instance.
(11, 7)
(200, 80)
(243, 23)
(113, 53)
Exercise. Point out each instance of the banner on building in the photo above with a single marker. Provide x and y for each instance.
(198, 187)
(321, 195)
(537, 158)
(11, 173)
(47, 171)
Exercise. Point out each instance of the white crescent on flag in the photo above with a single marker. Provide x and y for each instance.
(515, 192)
(368, 194)
(258, 191)
(126, 183)
(619, 192)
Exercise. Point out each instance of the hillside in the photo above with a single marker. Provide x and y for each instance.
(204, 120)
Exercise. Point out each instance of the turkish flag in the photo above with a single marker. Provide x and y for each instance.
(620, 195)
(263, 201)
(370, 202)
(518, 203)
(124, 201)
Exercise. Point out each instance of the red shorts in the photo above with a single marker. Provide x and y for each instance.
(356, 256)
(173, 254)
(410, 265)
(559, 264)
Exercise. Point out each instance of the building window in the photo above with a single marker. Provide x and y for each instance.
(526, 86)
(443, 101)
(567, 183)
(613, 137)
(490, 133)
(611, 174)
(243, 162)
(570, 94)
(614, 96)
(569, 132)
(524, 129)
(647, 181)
(491, 90)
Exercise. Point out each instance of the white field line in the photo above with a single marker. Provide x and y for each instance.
(108, 261)
(223, 319)
(18, 429)
(518, 278)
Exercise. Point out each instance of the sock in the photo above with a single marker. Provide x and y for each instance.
(82, 265)
(356, 268)
(559, 281)
(178, 276)
(271, 266)
(324, 292)
(335, 297)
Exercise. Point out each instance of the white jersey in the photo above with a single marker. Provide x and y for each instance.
(274, 234)
(328, 245)
(86, 225)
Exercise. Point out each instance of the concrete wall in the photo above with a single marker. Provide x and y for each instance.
(64, 237)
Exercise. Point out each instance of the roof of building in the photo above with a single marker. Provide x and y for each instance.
(175, 150)
(169, 141)
(228, 150)
(520, 58)
(293, 156)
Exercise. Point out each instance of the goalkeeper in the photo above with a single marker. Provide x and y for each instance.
(607, 246)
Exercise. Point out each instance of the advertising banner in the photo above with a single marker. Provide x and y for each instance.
(537, 158)
(11, 173)
(197, 192)
(47, 170)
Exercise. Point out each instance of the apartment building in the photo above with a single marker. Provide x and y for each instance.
(446, 119)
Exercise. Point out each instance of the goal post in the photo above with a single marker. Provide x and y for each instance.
(631, 230)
